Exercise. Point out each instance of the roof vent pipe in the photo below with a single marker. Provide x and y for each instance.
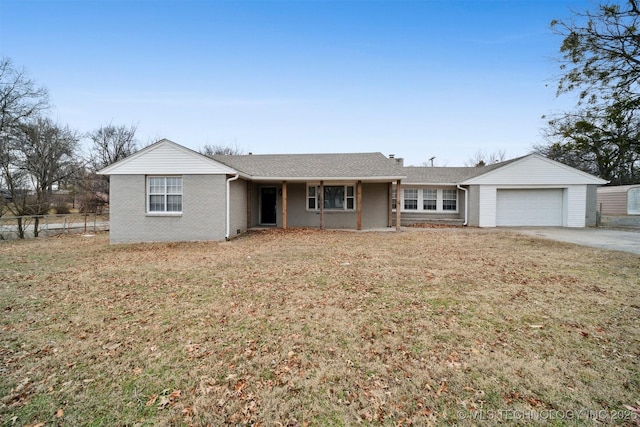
(391, 156)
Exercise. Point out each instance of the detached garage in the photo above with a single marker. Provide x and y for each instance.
(532, 191)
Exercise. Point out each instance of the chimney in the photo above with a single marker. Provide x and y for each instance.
(400, 161)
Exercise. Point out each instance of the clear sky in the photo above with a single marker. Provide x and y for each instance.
(414, 78)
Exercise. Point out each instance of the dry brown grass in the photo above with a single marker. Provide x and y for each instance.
(315, 328)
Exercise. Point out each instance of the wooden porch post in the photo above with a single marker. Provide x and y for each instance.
(390, 204)
(284, 205)
(321, 201)
(359, 205)
(398, 204)
(248, 204)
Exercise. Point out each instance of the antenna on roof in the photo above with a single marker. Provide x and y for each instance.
(431, 160)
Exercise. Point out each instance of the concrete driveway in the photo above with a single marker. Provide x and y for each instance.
(604, 238)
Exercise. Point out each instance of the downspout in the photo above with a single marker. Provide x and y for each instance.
(466, 203)
(226, 237)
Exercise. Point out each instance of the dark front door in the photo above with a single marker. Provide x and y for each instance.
(268, 205)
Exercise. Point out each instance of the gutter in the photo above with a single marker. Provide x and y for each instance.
(226, 237)
(466, 203)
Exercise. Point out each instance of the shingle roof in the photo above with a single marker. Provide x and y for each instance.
(347, 166)
(448, 175)
(315, 166)
(437, 175)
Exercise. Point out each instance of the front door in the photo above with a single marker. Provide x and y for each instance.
(268, 205)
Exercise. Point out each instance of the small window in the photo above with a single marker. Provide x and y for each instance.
(429, 199)
(394, 198)
(411, 198)
(311, 197)
(449, 200)
(350, 197)
(165, 194)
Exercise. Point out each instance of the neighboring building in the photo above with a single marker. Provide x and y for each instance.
(167, 192)
(619, 200)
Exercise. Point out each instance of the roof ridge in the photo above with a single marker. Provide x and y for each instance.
(302, 154)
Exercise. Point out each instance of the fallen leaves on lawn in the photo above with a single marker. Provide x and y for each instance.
(313, 327)
(164, 399)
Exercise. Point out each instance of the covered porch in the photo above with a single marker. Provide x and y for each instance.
(322, 203)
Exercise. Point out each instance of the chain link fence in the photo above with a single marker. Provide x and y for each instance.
(30, 226)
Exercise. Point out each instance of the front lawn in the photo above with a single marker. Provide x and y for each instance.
(442, 326)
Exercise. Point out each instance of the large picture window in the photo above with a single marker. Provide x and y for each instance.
(335, 197)
(164, 194)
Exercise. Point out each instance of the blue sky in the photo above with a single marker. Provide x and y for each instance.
(414, 78)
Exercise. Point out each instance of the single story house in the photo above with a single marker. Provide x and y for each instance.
(619, 200)
(167, 192)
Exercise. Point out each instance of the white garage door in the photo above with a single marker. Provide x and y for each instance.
(536, 207)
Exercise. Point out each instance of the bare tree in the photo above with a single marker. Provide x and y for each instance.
(42, 154)
(109, 144)
(20, 97)
(14, 181)
(219, 149)
(112, 143)
(480, 158)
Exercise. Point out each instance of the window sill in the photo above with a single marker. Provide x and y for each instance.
(164, 214)
(332, 211)
(426, 212)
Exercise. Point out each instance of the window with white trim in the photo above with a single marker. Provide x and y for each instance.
(449, 200)
(410, 199)
(429, 199)
(335, 197)
(164, 194)
(311, 197)
(351, 199)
